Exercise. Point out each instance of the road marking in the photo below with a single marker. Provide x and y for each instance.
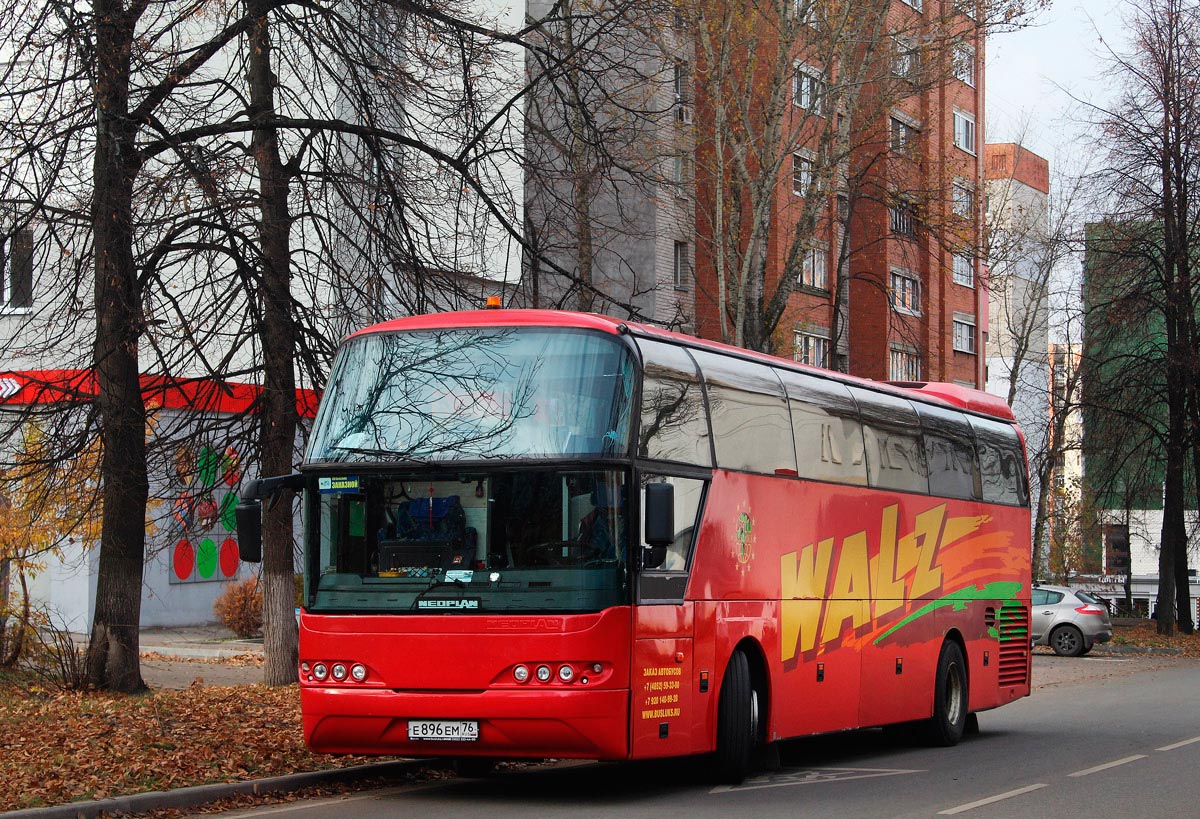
(1178, 744)
(810, 776)
(997, 798)
(1108, 765)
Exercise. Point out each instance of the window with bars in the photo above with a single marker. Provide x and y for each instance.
(904, 218)
(814, 268)
(964, 131)
(905, 365)
(964, 333)
(906, 58)
(963, 200)
(964, 270)
(680, 266)
(905, 293)
(811, 349)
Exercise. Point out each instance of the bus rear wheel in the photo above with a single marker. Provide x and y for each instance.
(949, 720)
(739, 723)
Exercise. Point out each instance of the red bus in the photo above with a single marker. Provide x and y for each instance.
(549, 534)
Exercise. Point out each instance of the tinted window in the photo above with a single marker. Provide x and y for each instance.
(751, 426)
(949, 453)
(673, 423)
(891, 434)
(1001, 462)
(1038, 597)
(829, 440)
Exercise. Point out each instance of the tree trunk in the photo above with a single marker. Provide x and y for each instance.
(112, 656)
(277, 418)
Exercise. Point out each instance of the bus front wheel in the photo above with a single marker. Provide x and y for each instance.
(949, 720)
(738, 722)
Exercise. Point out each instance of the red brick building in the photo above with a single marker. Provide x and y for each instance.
(889, 287)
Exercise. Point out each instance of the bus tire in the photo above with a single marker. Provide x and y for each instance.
(950, 709)
(738, 723)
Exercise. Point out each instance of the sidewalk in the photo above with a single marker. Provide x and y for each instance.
(182, 656)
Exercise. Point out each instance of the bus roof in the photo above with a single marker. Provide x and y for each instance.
(934, 392)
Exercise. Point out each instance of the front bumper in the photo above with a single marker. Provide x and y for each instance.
(529, 724)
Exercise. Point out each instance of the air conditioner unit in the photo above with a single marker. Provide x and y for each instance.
(683, 114)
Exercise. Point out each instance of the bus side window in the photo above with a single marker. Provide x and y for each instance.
(949, 453)
(892, 433)
(689, 494)
(752, 430)
(673, 426)
(1001, 464)
(829, 439)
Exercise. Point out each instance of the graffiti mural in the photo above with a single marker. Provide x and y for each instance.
(205, 541)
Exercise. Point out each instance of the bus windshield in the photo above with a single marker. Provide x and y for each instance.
(529, 540)
(476, 394)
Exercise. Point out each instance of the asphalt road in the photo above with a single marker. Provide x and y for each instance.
(1102, 736)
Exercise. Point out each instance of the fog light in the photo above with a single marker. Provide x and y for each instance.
(339, 672)
(596, 667)
(566, 673)
(320, 671)
(304, 667)
(521, 673)
(358, 672)
(543, 673)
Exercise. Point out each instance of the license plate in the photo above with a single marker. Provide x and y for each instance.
(443, 730)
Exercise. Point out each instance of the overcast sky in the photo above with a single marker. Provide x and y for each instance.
(1030, 72)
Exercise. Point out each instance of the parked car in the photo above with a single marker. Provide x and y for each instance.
(1068, 620)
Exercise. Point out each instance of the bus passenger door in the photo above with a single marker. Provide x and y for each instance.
(660, 701)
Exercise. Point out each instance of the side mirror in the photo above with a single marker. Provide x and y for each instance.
(248, 512)
(660, 523)
(248, 515)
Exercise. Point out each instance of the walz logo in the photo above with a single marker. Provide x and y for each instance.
(745, 541)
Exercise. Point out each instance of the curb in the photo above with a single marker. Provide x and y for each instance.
(1135, 650)
(186, 652)
(203, 794)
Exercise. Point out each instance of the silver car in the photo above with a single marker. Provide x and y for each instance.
(1070, 621)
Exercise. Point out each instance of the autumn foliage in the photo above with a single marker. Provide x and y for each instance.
(240, 607)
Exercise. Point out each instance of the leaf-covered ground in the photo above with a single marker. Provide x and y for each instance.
(58, 747)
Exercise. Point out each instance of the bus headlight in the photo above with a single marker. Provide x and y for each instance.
(521, 674)
(566, 673)
(339, 671)
(543, 673)
(320, 671)
(358, 672)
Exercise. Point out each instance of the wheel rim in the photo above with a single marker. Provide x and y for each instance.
(1066, 640)
(955, 699)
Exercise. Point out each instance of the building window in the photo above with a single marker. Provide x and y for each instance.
(964, 131)
(811, 349)
(964, 270)
(905, 365)
(679, 169)
(679, 272)
(904, 218)
(16, 263)
(905, 293)
(681, 80)
(808, 89)
(805, 12)
(916, 4)
(964, 333)
(802, 174)
(843, 206)
(905, 58)
(964, 200)
(964, 63)
(814, 268)
(904, 136)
